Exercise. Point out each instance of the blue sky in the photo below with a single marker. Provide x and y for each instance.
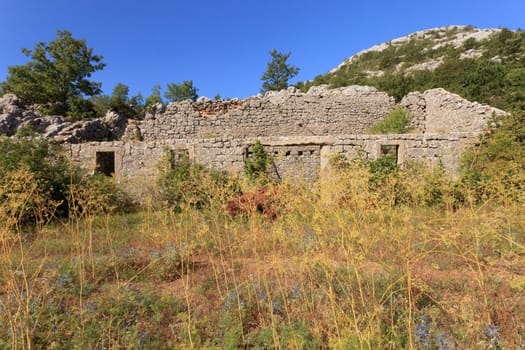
(223, 45)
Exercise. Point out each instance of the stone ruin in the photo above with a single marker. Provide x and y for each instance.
(301, 131)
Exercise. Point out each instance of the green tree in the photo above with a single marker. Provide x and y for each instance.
(57, 74)
(178, 92)
(119, 100)
(101, 103)
(278, 72)
(154, 97)
(120, 94)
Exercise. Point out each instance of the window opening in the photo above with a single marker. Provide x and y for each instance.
(390, 151)
(105, 163)
(177, 156)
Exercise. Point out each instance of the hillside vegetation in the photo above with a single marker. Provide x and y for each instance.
(484, 66)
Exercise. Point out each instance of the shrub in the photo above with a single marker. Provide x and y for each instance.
(396, 122)
(496, 168)
(183, 182)
(52, 185)
(42, 161)
(97, 194)
(255, 167)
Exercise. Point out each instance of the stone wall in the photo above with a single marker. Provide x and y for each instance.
(285, 113)
(136, 163)
(439, 111)
(319, 112)
(299, 130)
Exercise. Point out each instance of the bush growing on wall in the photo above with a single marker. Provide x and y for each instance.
(255, 167)
(396, 122)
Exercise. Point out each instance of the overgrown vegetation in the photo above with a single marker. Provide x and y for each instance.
(375, 256)
(396, 122)
(496, 168)
(356, 270)
(257, 164)
(37, 179)
(183, 183)
(497, 77)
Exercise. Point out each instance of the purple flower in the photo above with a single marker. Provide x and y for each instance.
(444, 343)
(422, 332)
(492, 332)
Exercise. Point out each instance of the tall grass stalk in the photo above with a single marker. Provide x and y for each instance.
(340, 265)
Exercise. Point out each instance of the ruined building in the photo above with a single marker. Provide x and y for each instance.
(301, 131)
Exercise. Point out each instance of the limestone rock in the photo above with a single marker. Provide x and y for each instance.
(9, 123)
(10, 114)
(10, 103)
(116, 124)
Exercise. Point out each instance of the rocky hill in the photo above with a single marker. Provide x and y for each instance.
(484, 65)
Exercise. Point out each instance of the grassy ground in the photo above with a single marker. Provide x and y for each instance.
(327, 272)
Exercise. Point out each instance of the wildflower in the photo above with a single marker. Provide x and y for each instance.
(143, 333)
(261, 294)
(296, 292)
(276, 306)
(422, 332)
(155, 254)
(444, 343)
(63, 280)
(492, 332)
(127, 251)
(91, 306)
(231, 300)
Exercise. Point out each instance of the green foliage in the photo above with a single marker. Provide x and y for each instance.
(278, 72)
(496, 78)
(50, 180)
(154, 97)
(57, 74)
(121, 103)
(396, 122)
(496, 168)
(184, 183)
(79, 109)
(45, 164)
(101, 104)
(183, 91)
(256, 166)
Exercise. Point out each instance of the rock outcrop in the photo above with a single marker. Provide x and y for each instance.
(16, 117)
